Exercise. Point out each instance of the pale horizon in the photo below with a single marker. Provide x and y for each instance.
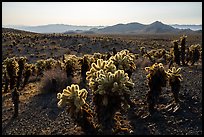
(100, 13)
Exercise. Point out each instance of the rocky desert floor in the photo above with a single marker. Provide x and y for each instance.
(39, 114)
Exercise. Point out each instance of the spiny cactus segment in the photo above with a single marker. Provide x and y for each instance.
(73, 97)
(172, 73)
(124, 60)
(174, 81)
(157, 78)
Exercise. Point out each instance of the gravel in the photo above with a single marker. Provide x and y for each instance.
(39, 114)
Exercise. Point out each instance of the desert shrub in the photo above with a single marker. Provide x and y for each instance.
(54, 80)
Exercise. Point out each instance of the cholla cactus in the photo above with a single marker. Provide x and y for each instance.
(5, 78)
(97, 56)
(124, 60)
(12, 70)
(100, 67)
(85, 66)
(79, 110)
(143, 51)
(40, 65)
(71, 62)
(176, 52)
(183, 44)
(28, 72)
(21, 62)
(158, 54)
(156, 80)
(73, 97)
(116, 83)
(50, 63)
(193, 53)
(174, 81)
(109, 86)
(156, 69)
(104, 77)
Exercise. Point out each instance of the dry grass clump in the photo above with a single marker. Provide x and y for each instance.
(54, 80)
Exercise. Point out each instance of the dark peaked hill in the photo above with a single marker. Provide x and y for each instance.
(121, 28)
(159, 27)
(137, 28)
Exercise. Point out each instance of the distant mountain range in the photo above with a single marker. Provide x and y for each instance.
(138, 28)
(129, 28)
(53, 28)
(192, 27)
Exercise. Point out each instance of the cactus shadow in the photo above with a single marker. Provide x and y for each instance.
(144, 123)
(46, 103)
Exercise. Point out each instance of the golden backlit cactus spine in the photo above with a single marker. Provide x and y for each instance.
(124, 60)
(28, 72)
(75, 99)
(12, 69)
(5, 78)
(70, 61)
(50, 63)
(40, 66)
(174, 79)
(157, 78)
(21, 63)
(193, 54)
(142, 51)
(109, 86)
(100, 67)
(85, 66)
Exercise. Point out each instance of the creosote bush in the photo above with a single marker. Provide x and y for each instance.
(54, 80)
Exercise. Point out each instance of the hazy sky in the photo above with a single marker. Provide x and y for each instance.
(100, 13)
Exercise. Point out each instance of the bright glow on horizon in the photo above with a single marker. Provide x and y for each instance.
(100, 13)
